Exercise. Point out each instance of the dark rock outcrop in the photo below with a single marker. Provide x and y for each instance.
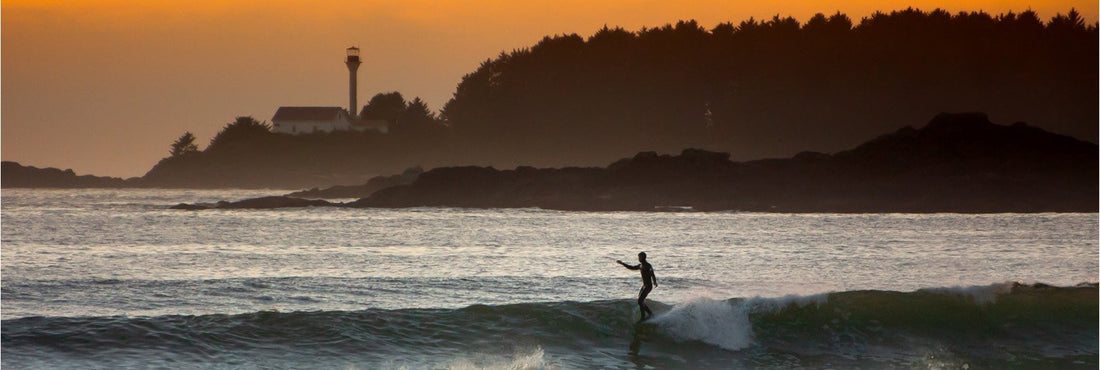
(360, 191)
(486, 187)
(956, 163)
(259, 203)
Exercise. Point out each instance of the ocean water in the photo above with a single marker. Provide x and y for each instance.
(113, 278)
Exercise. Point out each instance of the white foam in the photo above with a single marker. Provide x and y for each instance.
(521, 360)
(534, 360)
(716, 322)
(529, 360)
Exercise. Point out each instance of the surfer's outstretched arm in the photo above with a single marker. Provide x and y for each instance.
(629, 266)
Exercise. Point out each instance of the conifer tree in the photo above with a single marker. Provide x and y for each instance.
(184, 145)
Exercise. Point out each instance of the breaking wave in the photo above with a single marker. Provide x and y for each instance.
(998, 325)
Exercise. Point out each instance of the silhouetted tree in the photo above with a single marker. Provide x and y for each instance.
(417, 114)
(184, 145)
(243, 128)
(1072, 21)
(386, 106)
(774, 87)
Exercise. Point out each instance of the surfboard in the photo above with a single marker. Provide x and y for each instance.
(657, 309)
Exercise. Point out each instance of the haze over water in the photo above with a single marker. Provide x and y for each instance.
(120, 79)
(97, 278)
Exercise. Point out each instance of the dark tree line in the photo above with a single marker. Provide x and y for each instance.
(773, 87)
(404, 116)
(756, 89)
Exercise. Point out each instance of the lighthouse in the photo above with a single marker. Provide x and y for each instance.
(298, 120)
(352, 62)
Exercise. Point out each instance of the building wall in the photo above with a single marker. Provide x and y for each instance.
(372, 124)
(308, 127)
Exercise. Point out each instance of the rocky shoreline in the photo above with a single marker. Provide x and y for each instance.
(957, 163)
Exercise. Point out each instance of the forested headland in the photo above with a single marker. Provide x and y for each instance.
(955, 163)
(751, 88)
(775, 87)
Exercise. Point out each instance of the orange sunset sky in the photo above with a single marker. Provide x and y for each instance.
(103, 87)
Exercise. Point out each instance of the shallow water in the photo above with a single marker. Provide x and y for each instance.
(120, 261)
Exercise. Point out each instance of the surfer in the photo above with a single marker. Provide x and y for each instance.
(649, 281)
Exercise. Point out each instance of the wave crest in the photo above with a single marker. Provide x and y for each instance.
(718, 322)
(894, 328)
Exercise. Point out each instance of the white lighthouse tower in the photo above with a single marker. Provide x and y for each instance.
(352, 62)
(297, 120)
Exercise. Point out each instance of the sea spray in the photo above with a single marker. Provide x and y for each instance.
(534, 359)
(724, 323)
(716, 322)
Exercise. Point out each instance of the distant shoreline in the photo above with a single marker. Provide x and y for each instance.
(958, 163)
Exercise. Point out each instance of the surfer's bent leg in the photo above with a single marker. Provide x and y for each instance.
(641, 301)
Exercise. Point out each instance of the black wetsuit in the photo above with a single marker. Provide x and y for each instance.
(649, 280)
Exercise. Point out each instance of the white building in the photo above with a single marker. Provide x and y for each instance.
(307, 120)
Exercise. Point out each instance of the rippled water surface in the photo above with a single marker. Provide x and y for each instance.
(102, 253)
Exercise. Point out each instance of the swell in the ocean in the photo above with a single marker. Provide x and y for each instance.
(992, 326)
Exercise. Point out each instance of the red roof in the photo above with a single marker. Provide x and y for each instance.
(308, 114)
